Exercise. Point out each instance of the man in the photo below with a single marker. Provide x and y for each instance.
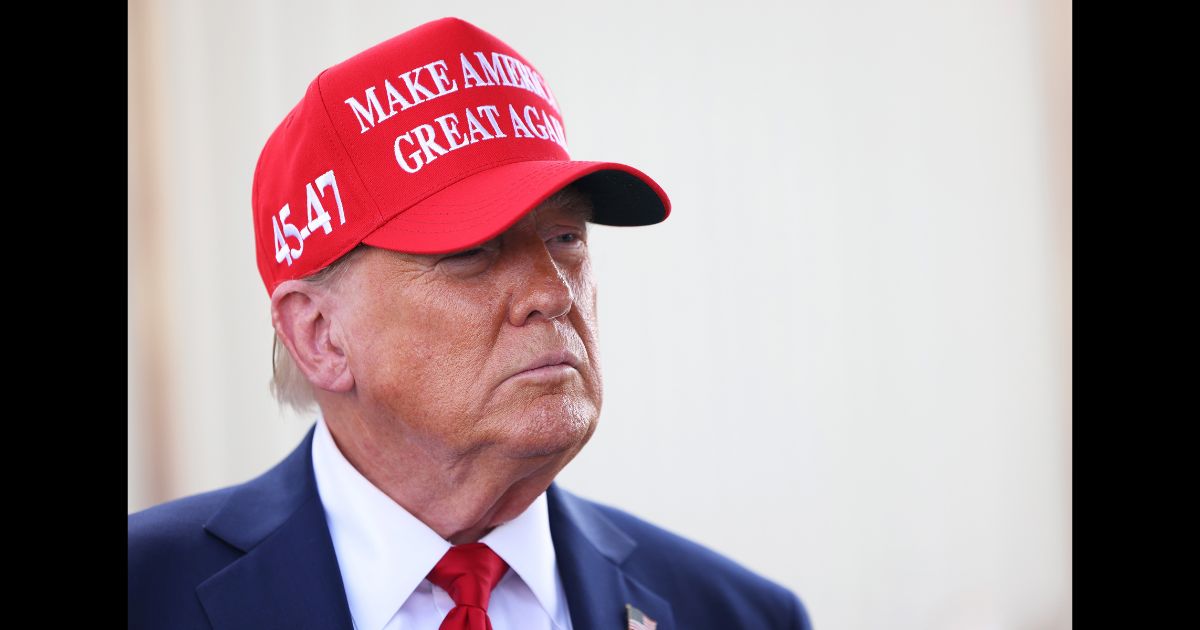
(422, 235)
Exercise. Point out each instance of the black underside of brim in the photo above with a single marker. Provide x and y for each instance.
(621, 198)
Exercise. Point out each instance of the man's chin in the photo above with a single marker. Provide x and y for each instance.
(556, 431)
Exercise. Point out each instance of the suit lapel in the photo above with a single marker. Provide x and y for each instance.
(289, 575)
(590, 550)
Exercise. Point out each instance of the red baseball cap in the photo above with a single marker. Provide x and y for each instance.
(434, 141)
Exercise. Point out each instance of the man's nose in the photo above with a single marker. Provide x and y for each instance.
(541, 289)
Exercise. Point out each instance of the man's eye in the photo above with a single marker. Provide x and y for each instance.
(569, 238)
(467, 254)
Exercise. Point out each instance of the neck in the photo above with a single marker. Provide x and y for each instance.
(462, 497)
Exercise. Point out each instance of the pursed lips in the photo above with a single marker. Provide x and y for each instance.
(554, 357)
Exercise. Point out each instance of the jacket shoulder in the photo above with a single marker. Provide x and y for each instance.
(170, 554)
(174, 519)
(696, 573)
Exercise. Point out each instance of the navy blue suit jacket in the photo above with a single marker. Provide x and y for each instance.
(259, 555)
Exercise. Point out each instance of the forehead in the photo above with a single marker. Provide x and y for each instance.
(567, 202)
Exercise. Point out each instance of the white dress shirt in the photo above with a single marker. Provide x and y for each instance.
(384, 554)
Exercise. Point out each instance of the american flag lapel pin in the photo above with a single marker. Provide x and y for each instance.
(638, 619)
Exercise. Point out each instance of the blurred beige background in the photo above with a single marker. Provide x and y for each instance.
(843, 361)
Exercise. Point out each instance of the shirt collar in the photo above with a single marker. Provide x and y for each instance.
(384, 552)
(525, 544)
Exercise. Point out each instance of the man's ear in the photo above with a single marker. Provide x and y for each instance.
(300, 313)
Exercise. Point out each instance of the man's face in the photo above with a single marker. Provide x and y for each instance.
(440, 346)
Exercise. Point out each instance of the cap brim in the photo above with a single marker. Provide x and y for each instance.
(479, 207)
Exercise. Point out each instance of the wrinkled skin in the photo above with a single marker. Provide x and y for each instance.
(415, 362)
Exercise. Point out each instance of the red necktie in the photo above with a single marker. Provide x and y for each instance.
(468, 573)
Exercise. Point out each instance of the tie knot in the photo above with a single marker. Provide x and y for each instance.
(469, 573)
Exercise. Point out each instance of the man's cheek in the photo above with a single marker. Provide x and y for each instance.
(585, 295)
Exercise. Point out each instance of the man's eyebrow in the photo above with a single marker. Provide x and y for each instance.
(576, 210)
